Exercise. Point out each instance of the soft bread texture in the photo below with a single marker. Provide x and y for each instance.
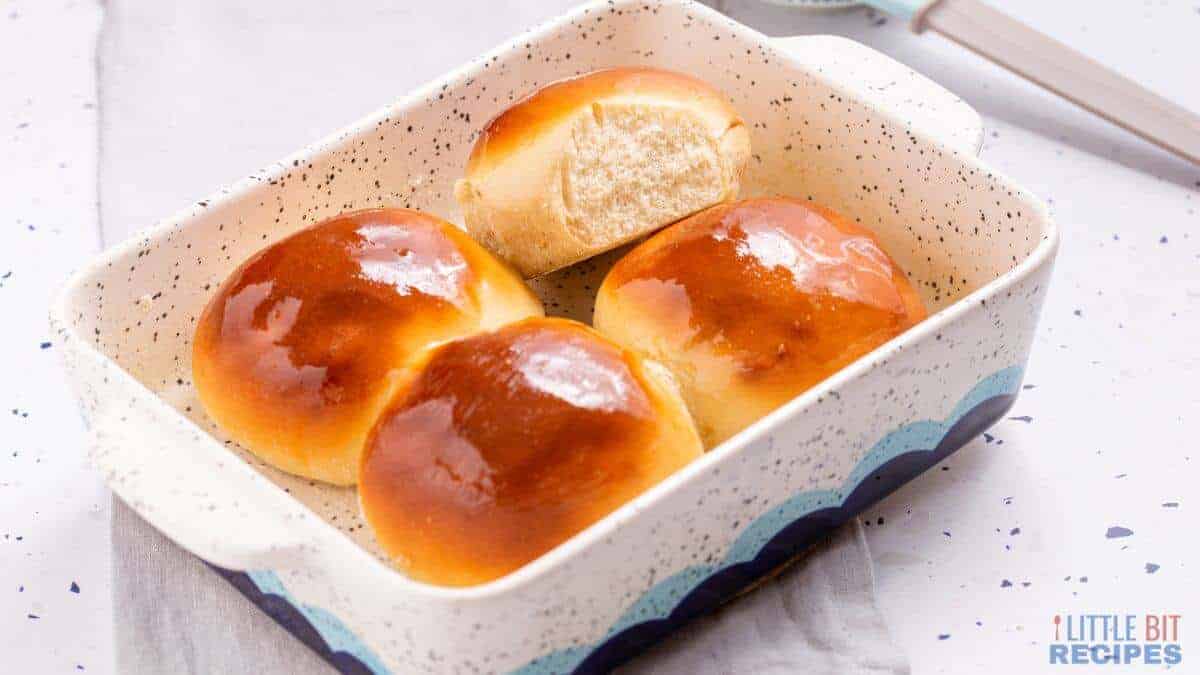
(301, 346)
(499, 446)
(589, 163)
(751, 303)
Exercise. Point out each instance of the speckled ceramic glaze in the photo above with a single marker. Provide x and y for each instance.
(831, 120)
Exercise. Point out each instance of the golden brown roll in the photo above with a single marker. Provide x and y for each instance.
(589, 163)
(298, 350)
(499, 446)
(751, 303)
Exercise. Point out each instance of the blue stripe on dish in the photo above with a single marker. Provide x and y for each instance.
(337, 637)
(785, 530)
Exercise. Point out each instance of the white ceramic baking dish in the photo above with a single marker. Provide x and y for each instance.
(831, 120)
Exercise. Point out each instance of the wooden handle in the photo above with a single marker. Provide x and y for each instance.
(1010, 43)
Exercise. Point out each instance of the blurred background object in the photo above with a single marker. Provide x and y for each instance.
(1044, 61)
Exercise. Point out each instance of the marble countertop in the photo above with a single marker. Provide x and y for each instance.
(1077, 502)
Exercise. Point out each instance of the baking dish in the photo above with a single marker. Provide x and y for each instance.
(830, 120)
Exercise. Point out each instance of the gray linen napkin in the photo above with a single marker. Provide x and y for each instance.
(819, 616)
(196, 94)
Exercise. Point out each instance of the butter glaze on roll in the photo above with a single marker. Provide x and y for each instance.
(298, 350)
(500, 446)
(751, 303)
(589, 163)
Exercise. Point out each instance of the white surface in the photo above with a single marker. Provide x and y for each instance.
(53, 509)
(1114, 392)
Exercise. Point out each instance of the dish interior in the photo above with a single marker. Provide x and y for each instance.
(952, 226)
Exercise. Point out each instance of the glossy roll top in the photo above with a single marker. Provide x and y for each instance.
(560, 102)
(751, 303)
(586, 164)
(499, 446)
(298, 350)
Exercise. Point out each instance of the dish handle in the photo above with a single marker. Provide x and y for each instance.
(200, 496)
(890, 86)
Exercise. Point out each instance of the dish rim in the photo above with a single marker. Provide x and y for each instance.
(530, 573)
